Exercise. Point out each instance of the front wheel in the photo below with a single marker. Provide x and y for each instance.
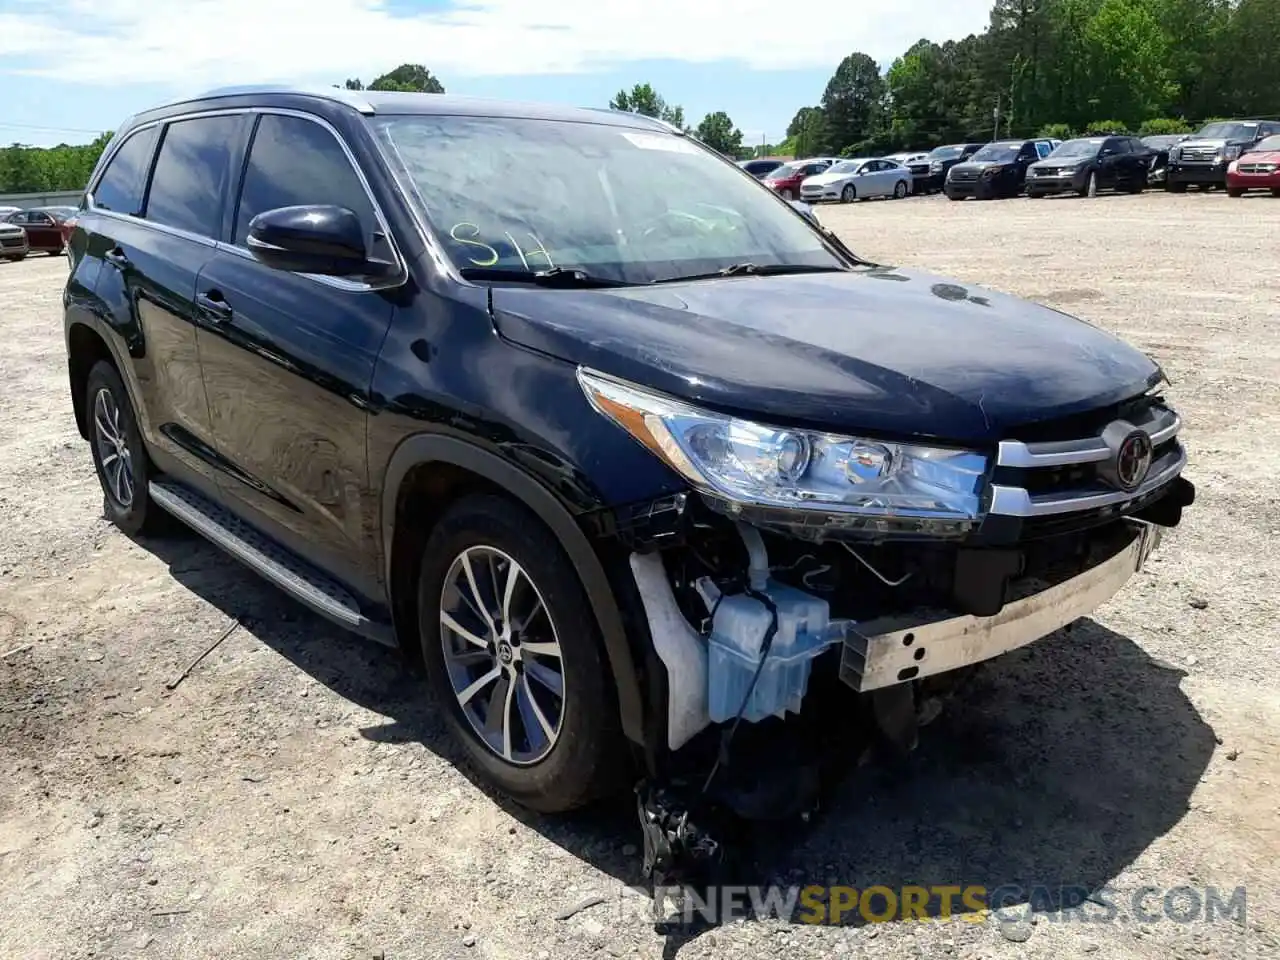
(1175, 187)
(848, 194)
(119, 456)
(899, 189)
(513, 651)
(788, 195)
(16, 257)
(1234, 192)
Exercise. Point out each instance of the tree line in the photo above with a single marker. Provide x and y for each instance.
(1042, 67)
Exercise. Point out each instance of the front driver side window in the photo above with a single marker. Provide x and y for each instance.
(295, 162)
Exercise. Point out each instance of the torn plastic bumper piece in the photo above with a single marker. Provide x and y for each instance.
(898, 649)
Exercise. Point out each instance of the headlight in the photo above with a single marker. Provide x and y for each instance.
(852, 482)
(1231, 151)
(935, 167)
(990, 172)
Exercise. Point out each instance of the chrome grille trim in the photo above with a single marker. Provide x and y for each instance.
(1162, 425)
(1017, 502)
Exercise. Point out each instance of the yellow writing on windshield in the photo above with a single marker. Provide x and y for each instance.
(487, 255)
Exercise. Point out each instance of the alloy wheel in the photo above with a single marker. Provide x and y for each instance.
(113, 448)
(502, 655)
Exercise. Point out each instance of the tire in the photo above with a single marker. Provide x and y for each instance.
(548, 763)
(952, 196)
(1234, 192)
(1175, 187)
(787, 194)
(1275, 191)
(16, 257)
(122, 463)
(849, 193)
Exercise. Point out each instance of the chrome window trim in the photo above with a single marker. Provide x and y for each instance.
(1017, 502)
(341, 283)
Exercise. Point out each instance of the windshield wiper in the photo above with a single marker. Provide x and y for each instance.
(755, 270)
(557, 277)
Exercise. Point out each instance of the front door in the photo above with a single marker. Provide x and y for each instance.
(288, 361)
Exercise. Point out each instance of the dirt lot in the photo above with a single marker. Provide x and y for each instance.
(294, 796)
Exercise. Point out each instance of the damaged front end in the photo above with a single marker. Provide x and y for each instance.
(816, 597)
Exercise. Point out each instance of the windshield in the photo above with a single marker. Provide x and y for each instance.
(1077, 148)
(623, 204)
(845, 166)
(1228, 131)
(784, 171)
(997, 151)
(1268, 144)
(946, 153)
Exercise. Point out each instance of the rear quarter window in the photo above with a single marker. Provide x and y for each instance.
(122, 182)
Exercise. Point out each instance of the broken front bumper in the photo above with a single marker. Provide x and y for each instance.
(891, 650)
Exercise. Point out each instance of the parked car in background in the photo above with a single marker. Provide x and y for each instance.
(999, 169)
(44, 227)
(13, 241)
(786, 179)
(758, 168)
(1090, 164)
(1158, 162)
(917, 163)
(5, 211)
(942, 159)
(1256, 169)
(858, 179)
(1203, 157)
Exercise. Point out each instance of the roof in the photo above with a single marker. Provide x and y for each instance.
(374, 102)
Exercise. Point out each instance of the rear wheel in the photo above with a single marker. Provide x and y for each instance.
(849, 193)
(512, 649)
(119, 456)
(900, 190)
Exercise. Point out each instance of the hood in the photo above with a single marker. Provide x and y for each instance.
(1203, 142)
(886, 351)
(1260, 156)
(980, 165)
(10, 229)
(1061, 161)
(820, 178)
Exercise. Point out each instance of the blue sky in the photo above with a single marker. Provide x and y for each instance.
(75, 67)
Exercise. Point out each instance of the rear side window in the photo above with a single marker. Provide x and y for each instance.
(293, 162)
(121, 185)
(191, 174)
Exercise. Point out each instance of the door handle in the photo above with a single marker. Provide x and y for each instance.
(213, 306)
(117, 258)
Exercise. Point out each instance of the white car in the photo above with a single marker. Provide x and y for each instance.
(858, 179)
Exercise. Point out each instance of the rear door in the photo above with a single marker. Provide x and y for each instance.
(42, 232)
(151, 226)
(288, 358)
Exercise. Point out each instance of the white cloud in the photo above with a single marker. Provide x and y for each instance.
(194, 43)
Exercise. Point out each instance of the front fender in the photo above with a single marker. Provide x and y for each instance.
(422, 449)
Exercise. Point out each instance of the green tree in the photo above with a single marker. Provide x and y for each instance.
(408, 78)
(718, 132)
(643, 99)
(1163, 125)
(853, 100)
(812, 139)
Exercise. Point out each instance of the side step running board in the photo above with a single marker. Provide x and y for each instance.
(282, 567)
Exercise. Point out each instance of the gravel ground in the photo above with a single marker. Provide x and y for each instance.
(295, 796)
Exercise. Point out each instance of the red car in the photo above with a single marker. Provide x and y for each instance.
(785, 180)
(47, 228)
(1259, 169)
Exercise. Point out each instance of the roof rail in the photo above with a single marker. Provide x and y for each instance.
(351, 98)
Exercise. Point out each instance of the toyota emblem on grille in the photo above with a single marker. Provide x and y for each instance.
(1131, 453)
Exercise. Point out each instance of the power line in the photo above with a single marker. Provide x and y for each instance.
(43, 129)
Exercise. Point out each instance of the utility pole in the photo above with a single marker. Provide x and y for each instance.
(995, 114)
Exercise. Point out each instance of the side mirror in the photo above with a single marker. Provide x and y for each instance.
(319, 239)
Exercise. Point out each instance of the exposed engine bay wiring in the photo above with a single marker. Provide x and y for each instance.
(878, 575)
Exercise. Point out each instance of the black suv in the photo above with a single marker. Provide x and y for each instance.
(933, 172)
(1202, 158)
(615, 443)
(1090, 164)
(999, 169)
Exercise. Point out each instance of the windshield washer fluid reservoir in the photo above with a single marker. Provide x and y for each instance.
(737, 637)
